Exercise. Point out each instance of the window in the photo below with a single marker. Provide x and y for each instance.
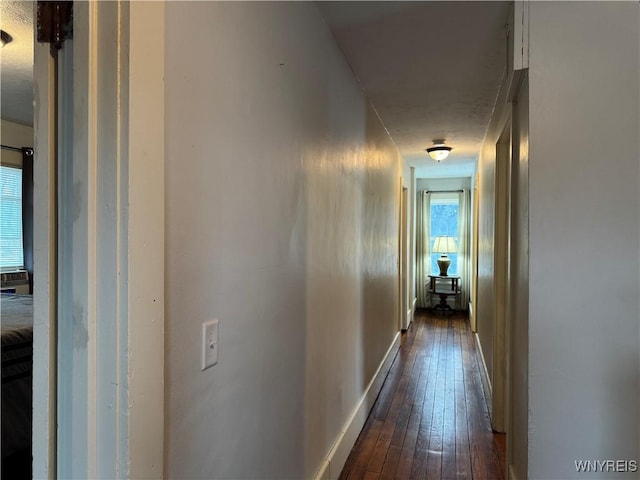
(443, 218)
(11, 254)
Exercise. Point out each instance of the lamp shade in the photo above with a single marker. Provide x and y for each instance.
(444, 245)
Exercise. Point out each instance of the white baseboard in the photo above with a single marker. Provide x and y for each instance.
(486, 380)
(333, 464)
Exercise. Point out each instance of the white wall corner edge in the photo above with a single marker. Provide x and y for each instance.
(332, 465)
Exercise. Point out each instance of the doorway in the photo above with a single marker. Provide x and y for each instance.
(89, 408)
(404, 313)
(21, 271)
(501, 282)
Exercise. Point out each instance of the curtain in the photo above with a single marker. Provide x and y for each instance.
(27, 212)
(464, 249)
(423, 260)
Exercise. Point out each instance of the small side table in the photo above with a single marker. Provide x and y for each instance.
(444, 286)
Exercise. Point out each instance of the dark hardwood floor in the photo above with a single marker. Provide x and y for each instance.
(431, 418)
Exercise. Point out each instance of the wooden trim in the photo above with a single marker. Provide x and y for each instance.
(334, 462)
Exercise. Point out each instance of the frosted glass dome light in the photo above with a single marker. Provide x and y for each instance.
(5, 38)
(439, 151)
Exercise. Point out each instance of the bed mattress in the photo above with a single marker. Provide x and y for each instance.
(16, 319)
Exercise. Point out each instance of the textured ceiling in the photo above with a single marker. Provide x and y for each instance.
(432, 70)
(16, 62)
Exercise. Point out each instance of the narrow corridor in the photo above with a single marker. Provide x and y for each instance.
(431, 418)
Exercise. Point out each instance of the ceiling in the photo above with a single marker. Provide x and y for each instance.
(16, 62)
(432, 70)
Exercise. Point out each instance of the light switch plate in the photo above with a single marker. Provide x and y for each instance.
(209, 343)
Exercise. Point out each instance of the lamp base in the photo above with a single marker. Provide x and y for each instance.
(444, 262)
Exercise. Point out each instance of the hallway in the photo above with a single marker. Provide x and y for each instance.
(431, 418)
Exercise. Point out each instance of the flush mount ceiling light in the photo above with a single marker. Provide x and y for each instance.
(439, 151)
(5, 37)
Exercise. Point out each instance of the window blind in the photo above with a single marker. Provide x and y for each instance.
(11, 254)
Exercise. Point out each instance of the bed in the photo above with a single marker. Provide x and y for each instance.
(16, 319)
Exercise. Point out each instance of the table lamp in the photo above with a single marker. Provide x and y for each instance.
(444, 245)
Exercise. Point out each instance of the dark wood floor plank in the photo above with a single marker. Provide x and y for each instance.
(419, 465)
(483, 453)
(448, 468)
(383, 403)
(409, 445)
(431, 419)
(402, 422)
(391, 463)
(392, 422)
(428, 401)
(382, 446)
(474, 410)
(365, 450)
(501, 447)
(413, 372)
(413, 458)
(434, 460)
(463, 457)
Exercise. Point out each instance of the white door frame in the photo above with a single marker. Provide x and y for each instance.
(44, 258)
(475, 198)
(111, 296)
(404, 259)
(500, 387)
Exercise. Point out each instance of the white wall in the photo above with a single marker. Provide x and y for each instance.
(458, 183)
(518, 302)
(584, 236)
(282, 222)
(14, 135)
